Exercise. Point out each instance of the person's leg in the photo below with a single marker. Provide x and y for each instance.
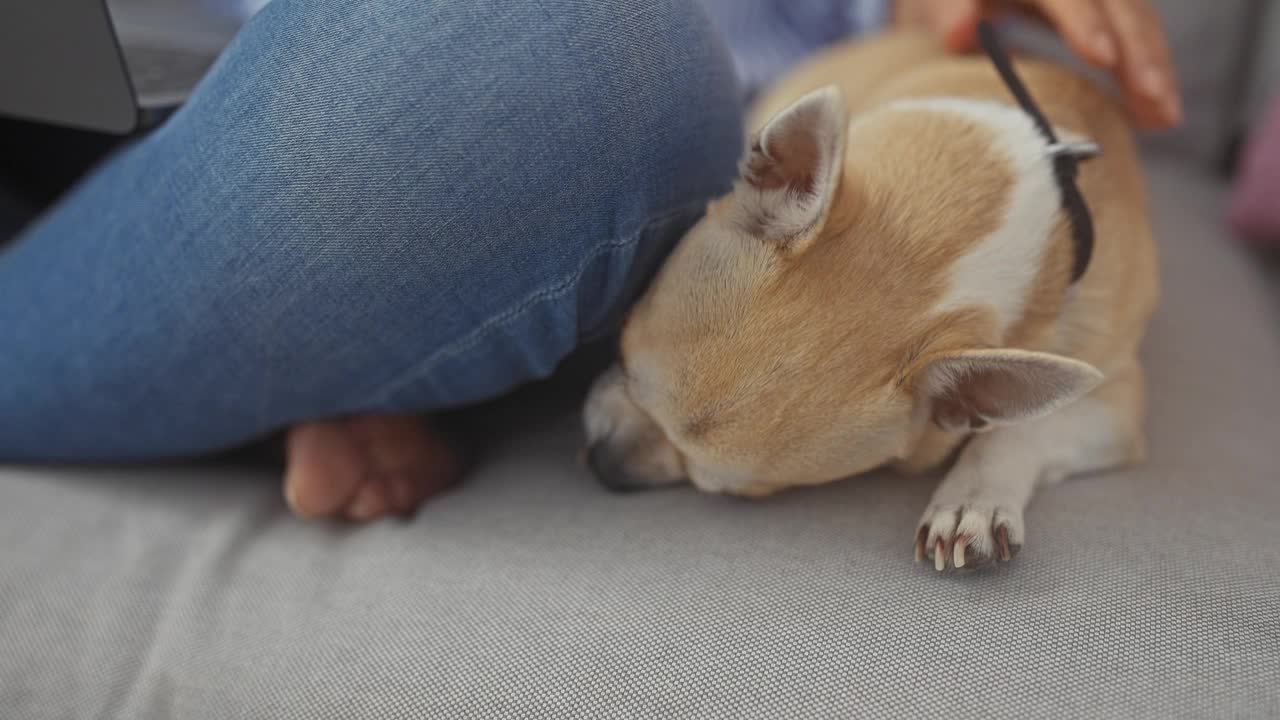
(381, 207)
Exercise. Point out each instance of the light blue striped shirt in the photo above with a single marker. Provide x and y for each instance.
(768, 36)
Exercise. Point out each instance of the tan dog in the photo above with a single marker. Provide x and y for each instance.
(891, 275)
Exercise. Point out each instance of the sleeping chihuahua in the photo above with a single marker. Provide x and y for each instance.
(890, 280)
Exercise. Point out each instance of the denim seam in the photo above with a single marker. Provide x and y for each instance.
(513, 312)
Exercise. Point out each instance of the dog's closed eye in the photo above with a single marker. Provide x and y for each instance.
(698, 426)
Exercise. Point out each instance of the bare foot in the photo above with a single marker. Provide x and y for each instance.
(365, 467)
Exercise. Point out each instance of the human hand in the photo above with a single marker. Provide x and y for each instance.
(1124, 36)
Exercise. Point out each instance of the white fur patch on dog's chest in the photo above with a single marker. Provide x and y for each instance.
(998, 271)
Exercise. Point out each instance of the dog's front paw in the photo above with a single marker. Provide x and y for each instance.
(969, 535)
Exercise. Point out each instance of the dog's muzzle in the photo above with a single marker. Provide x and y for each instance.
(608, 464)
(609, 468)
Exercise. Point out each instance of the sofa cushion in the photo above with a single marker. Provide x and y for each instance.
(531, 592)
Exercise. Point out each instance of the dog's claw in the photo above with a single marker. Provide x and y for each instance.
(1002, 544)
(969, 536)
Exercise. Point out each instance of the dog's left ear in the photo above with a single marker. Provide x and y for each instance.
(976, 389)
(790, 173)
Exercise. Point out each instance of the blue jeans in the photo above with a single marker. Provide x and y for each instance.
(383, 206)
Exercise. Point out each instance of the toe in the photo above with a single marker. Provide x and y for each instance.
(974, 544)
(324, 470)
(968, 536)
(1008, 529)
(371, 501)
(1006, 548)
(415, 461)
(941, 524)
(404, 492)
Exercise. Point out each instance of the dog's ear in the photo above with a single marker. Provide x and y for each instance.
(976, 389)
(790, 173)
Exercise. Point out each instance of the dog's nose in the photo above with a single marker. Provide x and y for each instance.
(607, 466)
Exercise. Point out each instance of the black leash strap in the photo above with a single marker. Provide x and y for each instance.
(1066, 158)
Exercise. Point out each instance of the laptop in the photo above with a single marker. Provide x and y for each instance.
(111, 66)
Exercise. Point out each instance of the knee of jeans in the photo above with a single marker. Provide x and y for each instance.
(663, 92)
(519, 149)
(635, 98)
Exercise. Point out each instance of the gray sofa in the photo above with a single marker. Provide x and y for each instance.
(529, 591)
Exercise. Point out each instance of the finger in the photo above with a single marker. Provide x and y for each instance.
(1085, 26)
(910, 13)
(1146, 69)
(955, 22)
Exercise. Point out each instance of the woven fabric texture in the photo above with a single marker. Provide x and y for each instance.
(531, 593)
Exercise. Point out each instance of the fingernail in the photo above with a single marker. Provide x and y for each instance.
(1104, 47)
(1152, 81)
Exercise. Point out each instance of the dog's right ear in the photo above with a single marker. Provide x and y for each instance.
(976, 389)
(790, 173)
